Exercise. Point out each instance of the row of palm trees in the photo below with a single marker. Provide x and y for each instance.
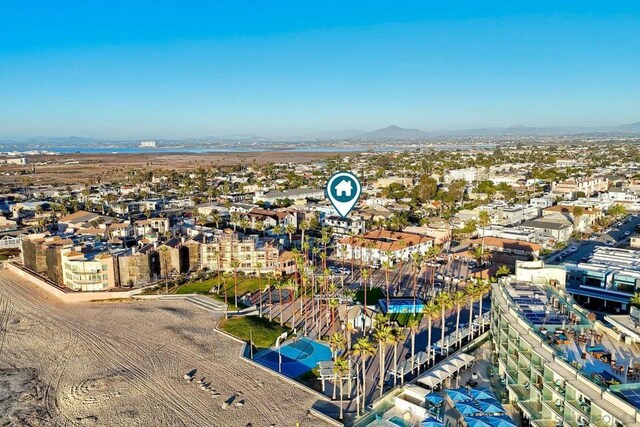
(387, 334)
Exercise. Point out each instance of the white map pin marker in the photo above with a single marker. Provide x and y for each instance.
(343, 190)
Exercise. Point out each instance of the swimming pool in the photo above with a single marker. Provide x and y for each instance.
(404, 305)
(399, 421)
(298, 357)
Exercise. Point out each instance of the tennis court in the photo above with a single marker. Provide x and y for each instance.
(298, 357)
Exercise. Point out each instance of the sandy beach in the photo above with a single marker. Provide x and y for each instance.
(122, 364)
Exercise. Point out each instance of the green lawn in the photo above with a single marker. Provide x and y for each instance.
(199, 287)
(373, 296)
(245, 284)
(264, 332)
(403, 318)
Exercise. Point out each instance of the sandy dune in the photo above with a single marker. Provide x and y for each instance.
(121, 364)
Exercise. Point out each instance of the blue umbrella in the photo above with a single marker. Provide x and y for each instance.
(499, 421)
(434, 398)
(467, 408)
(481, 394)
(431, 422)
(458, 395)
(489, 407)
(476, 422)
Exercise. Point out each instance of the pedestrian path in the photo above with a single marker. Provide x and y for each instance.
(204, 303)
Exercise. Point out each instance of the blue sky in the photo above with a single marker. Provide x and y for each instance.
(153, 69)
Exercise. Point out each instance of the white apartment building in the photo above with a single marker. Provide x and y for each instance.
(82, 273)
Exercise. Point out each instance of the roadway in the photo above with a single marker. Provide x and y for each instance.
(615, 237)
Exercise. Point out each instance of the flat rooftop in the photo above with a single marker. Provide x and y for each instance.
(590, 347)
(606, 258)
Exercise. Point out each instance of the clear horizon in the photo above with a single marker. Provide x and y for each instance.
(154, 71)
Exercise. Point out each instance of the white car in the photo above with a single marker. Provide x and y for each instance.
(627, 233)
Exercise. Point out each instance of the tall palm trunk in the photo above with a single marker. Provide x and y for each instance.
(364, 381)
(281, 312)
(395, 364)
(341, 394)
(442, 328)
(413, 351)
(235, 287)
(458, 337)
(432, 355)
(386, 280)
(480, 318)
(381, 358)
(471, 334)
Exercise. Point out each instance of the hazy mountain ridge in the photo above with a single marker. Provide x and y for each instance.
(392, 132)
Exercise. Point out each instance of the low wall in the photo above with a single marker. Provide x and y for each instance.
(68, 296)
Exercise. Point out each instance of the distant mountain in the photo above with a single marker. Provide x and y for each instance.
(327, 135)
(393, 132)
(631, 127)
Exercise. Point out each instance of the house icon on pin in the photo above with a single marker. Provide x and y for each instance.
(344, 188)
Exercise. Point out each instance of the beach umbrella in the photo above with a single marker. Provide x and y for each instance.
(499, 421)
(434, 398)
(458, 394)
(490, 407)
(481, 394)
(431, 422)
(467, 408)
(476, 422)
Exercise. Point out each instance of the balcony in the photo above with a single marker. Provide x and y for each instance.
(545, 423)
(583, 408)
(553, 405)
(532, 407)
(519, 390)
(513, 375)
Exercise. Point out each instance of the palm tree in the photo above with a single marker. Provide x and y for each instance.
(483, 288)
(484, 219)
(365, 277)
(290, 229)
(292, 285)
(458, 299)
(341, 368)
(235, 264)
(325, 239)
(215, 217)
(430, 310)
(277, 230)
(414, 326)
(333, 304)
(386, 265)
(383, 336)
(433, 253)
(365, 349)
(471, 292)
(397, 337)
(280, 286)
(443, 301)
(269, 276)
(258, 271)
(234, 220)
(503, 270)
(417, 263)
(635, 300)
(336, 343)
(304, 226)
